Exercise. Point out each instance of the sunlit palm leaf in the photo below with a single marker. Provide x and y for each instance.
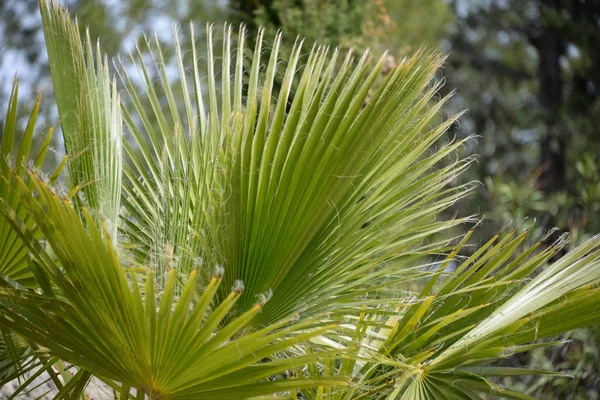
(313, 195)
(442, 345)
(13, 252)
(89, 108)
(105, 320)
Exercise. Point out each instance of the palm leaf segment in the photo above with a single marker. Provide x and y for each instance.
(90, 113)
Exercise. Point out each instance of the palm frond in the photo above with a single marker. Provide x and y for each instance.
(13, 252)
(312, 195)
(89, 108)
(441, 345)
(106, 318)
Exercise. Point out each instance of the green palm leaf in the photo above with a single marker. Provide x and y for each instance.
(441, 345)
(313, 196)
(13, 252)
(106, 318)
(89, 108)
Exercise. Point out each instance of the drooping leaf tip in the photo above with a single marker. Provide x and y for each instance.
(238, 287)
(218, 272)
(263, 298)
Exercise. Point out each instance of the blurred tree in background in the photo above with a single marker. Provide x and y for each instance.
(378, 24)
(527, 71)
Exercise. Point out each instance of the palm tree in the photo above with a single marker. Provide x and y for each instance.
(205, 240)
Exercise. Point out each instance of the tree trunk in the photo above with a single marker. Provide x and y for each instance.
(553, 144)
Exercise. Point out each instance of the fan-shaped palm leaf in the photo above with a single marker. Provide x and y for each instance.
(106, 318)
(314, 195)
(442, 344)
